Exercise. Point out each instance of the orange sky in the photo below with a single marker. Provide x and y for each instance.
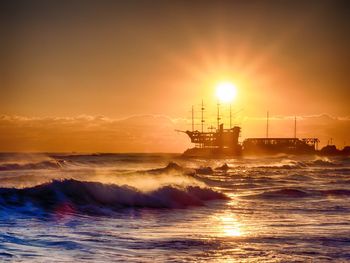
(61, 60)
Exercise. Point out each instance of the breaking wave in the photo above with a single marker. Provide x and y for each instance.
(322, 162)
(91, 197)
(171, 167)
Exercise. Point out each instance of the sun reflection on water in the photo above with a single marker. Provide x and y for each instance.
(229, 226)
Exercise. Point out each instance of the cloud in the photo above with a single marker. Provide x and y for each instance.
(148, 133)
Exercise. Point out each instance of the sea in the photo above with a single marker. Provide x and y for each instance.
(166, 208)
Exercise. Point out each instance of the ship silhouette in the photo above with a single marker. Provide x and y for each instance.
(221, 142)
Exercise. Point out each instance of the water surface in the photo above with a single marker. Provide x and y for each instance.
(156, 208)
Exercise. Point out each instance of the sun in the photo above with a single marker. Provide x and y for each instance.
(226, 91)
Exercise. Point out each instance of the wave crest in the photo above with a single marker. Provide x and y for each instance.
(88, 196)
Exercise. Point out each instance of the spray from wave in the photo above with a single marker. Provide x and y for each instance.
(295, 164)
(93, 190)
(144, 180)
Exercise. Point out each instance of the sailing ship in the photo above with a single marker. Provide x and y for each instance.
(221, 142)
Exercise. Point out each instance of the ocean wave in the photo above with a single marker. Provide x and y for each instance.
(52, 164)
(284, 165)
(81, 196)
(322, 162)
(223, 168)
(171, 166)
(297, 193)
(291, 164)
(299, 177)
(282, 193)
(205, 170)
(336, 192)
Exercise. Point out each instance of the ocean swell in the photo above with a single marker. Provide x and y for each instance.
(51, 164)
(287, 193)
(283, 193)
(90, 196)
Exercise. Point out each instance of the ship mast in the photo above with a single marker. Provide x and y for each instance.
(202, 111)
(295, 127)
(218, 115)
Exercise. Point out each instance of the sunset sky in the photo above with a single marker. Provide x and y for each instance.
(122, 75)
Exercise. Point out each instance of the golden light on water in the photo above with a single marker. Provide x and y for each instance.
(229, 226)
(226, 92)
